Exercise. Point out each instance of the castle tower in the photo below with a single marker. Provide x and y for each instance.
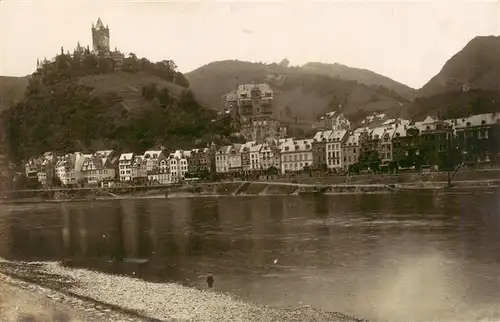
(100, 37)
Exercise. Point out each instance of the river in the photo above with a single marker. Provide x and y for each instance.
(420, 256)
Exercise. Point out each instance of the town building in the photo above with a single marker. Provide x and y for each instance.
(100, 168)
(199, 161)
(374, 120)
(161, 174)
(125, 164)
(234, 158)
(269, 155)
(296, 155)
(31, 168)
(319, 149)
(351, 149)
(79, 159)
(178, 165)
(222, 159)
(138, 171)
(65, 169)
(385, 143)
(334, 151)
(252, 108)
(437, 146)
(334, 121)
(47, 172)
(152, 160)
(478, 140)
(406, 147)
(246, 165)
(254, 153)
(41, 169)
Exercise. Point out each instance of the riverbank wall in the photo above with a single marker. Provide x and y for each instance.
(380, 183)
(407, 178)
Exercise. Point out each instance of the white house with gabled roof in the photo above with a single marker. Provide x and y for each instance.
(125, 164)
(296, 155)
(222, 159)
(152, 160)
(178, 165)
(334, 155)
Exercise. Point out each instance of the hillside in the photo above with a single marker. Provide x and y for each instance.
(128, 86)
(362, 76)
(299, 92)
(468, 83)
(456, 104)
(476, 66)
(84, 104)
(11, 90)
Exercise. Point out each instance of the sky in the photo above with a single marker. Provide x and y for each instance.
(406, 41)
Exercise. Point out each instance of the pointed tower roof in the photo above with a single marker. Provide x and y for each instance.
(99, 24)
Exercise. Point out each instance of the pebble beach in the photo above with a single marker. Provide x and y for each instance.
(95, 296)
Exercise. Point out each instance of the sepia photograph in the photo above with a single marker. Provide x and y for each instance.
(235, 161)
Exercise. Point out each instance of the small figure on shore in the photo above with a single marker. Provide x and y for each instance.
(210, 280)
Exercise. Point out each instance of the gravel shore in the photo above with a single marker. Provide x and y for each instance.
(21, 301)
(139, 300)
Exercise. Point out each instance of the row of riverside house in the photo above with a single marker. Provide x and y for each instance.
(394, 143)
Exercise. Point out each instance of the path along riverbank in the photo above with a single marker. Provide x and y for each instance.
(118, 298)
(245, 188)
(386, 183)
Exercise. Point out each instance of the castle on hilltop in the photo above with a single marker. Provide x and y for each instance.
(100, 47)
(100, 44)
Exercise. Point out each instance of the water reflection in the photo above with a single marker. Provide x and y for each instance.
(353, 253)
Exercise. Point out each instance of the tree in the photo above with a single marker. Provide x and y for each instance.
(150, 91)
(284, 63)
(59, 114)
(56, 182)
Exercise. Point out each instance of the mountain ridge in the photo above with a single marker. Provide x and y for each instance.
(475, 66)
(468, 83)
(361, 75)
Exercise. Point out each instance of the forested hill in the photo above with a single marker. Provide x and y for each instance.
(468, 83)
(303, 92)
(80, 102)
